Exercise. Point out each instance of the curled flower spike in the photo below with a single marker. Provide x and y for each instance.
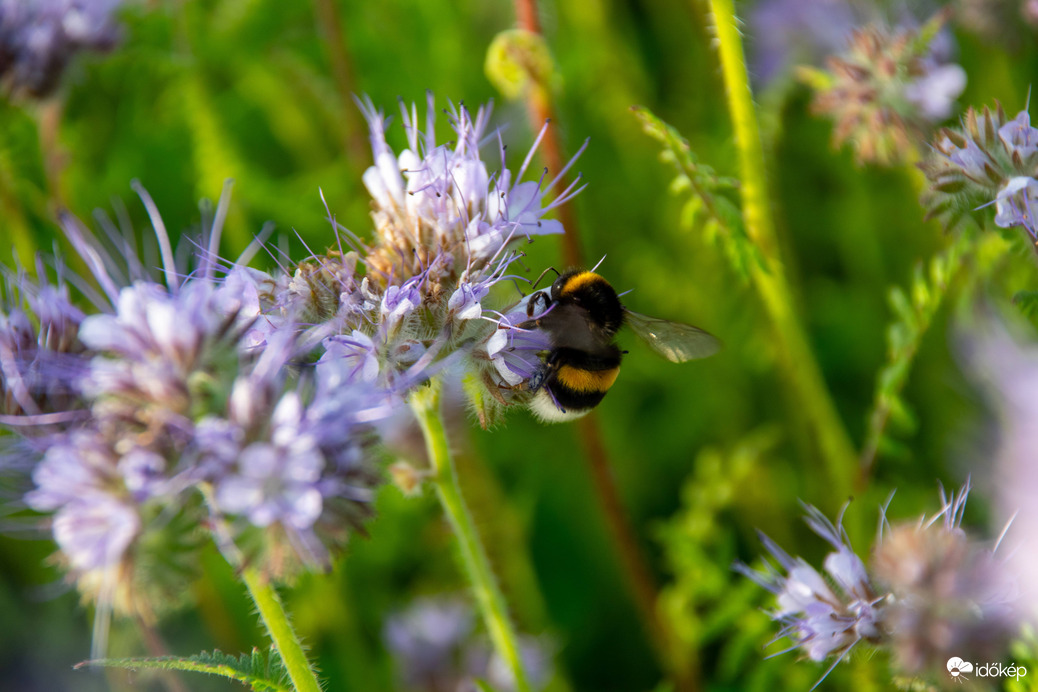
(990, 159)
(928, 592)
(886, 89)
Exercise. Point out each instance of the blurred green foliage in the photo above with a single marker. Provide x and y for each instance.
(703, 454)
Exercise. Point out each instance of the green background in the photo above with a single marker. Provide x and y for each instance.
(702, 453)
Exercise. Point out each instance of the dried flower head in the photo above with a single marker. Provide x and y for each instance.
(886, 89)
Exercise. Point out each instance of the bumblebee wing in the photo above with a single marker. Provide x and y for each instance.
(674, 341)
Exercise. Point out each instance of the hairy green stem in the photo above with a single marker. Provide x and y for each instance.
(425, 403)
(805, 376)
(276, 620)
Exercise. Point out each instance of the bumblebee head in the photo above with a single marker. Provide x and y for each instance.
(592, 293)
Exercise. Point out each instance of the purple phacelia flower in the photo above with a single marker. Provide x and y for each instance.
(823, 617)
(438, 209)
(41, 354)
(465, 302)
(928, 592)
(276, 480)
(990, 159)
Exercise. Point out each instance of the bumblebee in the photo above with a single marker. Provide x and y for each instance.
(581, 315)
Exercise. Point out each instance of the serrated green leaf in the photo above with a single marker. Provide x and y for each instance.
(928, 286)
(261, 671)
(724, 223)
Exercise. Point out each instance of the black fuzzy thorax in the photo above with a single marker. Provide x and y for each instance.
(594, 295)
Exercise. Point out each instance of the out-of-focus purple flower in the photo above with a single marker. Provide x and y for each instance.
(437, 649)
(41, 362)
(952, 594)
(348, 359)
(929, 592)
(277, 480)
(162, 354)
(935, 91)
(427, 640)
(785, 33)
(39, 37)
(1007, 366)
(888, 87)
(95, 519)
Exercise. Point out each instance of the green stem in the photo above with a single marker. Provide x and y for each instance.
(276, 619)
(425, 403)
(805, 376)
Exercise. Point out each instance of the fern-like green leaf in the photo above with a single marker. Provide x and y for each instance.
(708, 208)
(261, 671)
(913, 310)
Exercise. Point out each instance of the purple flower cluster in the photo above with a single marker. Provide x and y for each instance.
(39, 37)
(219, 400)
(990, 159)
(928, 592)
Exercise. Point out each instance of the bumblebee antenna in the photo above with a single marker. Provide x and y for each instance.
(549, 269)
